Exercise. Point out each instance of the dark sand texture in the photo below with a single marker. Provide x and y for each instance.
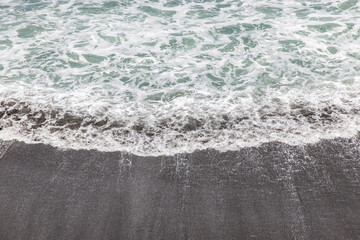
(274, 191)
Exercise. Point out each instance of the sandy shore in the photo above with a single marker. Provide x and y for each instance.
(275, 191)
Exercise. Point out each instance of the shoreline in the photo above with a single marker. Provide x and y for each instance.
(170, 135)
(274, 191)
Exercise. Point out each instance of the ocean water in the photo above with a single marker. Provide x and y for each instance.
(158, 77)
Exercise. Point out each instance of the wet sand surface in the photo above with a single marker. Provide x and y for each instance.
(274, 191)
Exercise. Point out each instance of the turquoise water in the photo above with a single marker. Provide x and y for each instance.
(176, 76)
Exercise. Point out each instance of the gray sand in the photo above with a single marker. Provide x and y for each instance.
(271, 192)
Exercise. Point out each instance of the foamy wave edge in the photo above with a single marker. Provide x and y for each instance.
(168, 129)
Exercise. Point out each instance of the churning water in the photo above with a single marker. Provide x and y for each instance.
(165, 76)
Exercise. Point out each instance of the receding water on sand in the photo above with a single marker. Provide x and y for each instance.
(274, 191)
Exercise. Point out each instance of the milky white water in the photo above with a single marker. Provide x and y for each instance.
(167, 76)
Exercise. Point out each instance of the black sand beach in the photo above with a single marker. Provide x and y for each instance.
(275, 191)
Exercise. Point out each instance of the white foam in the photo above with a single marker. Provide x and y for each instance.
(226, 124)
